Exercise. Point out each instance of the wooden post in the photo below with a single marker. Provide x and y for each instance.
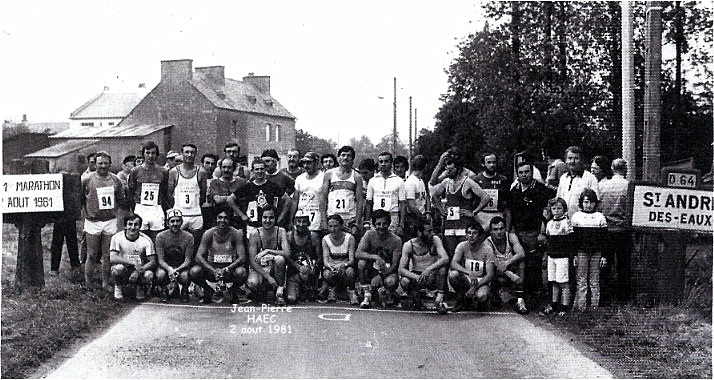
(628, 91)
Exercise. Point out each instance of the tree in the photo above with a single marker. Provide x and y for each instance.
(305, 142)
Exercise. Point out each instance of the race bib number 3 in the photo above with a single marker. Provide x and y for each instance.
(493, 203)
(150, 194)
(453, 213)
(186, 198)
(105, 198)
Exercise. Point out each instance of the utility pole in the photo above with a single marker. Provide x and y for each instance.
(394, 131)
(653, 107)
(410, 129)
(628, 92)
(416, 133)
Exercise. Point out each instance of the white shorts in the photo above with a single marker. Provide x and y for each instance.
(558, 269)
(193, 223)
(107, 227)
(152, 217)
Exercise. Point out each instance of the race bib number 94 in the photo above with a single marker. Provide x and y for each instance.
(105, 197)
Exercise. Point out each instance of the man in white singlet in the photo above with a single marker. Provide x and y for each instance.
(342, 192)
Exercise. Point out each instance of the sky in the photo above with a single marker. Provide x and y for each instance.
(331, 63)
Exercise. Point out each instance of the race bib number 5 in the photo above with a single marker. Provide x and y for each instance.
(150, 194)
(453, 213)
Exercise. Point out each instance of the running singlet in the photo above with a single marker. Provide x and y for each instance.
(309, 202)
(222, 252)
(419, 261)
(147, 183)
(341, 195)
(339, 254)
(455, 202)
(187, 193)
(501, 256)
(266, 260)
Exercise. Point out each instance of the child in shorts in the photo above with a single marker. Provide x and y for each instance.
(559, 234)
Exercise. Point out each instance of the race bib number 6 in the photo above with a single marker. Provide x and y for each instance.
(493, 203)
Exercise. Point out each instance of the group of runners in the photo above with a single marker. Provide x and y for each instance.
(321, 229)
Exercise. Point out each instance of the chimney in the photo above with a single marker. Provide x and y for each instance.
(215, 74)
(262, 82)
(176, 71)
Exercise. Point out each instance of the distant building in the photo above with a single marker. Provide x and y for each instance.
(21, 138)
(207, 109)
(106, 109)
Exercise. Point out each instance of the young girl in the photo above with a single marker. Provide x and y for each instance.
(559, 233)
(590, 229)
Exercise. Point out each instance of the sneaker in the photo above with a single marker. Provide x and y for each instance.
(441, 308)
(279, 299)
(165, 294)
(382, 295)
(521, 306)
(322, 292)
(185, 297)
(367, 302)
(140, 293)
(118, 295)
(332, 295)
(354, 300)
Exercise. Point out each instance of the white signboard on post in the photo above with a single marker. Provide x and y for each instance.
(672, 208)
(31, 193)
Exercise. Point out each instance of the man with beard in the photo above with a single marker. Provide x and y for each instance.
(464, 200)
(294, 168)
(132, 257)
(220, 258)
(378, 257)
(148, 184)
(496, 186)
(268, 250)
(187, 187)
(221, 188)
(249, 200)
(305, 261)
(423, 265)
(174, 248)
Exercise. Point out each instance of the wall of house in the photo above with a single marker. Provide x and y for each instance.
(96, 123)
(193, 116)
(254, 129)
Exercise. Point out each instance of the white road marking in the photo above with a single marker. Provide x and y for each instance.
(334, 317)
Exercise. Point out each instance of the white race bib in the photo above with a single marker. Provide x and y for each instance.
(474, 266)
(186, 198)
(383, 201)
(252, 211)
(150, 194)
(453, 213)
(105, 197)
(266, 260)
(493, 203)
(134, 258)
(222, 259)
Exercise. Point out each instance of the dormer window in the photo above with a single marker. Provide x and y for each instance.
(269, 102)
(252, 99)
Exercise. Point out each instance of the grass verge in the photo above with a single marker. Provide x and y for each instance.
(665, 341)
(37, 324)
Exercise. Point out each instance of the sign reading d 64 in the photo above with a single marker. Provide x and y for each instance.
(31, 193)
(672, 208)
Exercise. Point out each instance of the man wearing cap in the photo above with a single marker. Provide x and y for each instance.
(220, 258)
(101, 197)
(308, 191)
(186, 189)
(294, 168)
(174, 248)
(249, 200)
(132, 257)
(170, 160)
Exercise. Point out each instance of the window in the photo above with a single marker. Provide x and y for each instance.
(267, 132)
(272, 132)
(235, 128)
(277, 132)
(111, 123)
(87, 124)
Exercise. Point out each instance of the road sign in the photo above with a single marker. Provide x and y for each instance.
(31, 193)
(672, 208)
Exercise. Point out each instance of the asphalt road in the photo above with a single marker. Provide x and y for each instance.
(188, 341)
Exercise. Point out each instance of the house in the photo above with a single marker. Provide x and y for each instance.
(69, 148)
(24, 137)
(105, 109)
(208, 110)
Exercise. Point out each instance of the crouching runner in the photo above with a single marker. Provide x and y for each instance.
(220, 258)
(174, 250)
(338, 254)
(132, 256)
(268, 249)
(303, 266)
(472, 269)
(423, 265)
(378, 253)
